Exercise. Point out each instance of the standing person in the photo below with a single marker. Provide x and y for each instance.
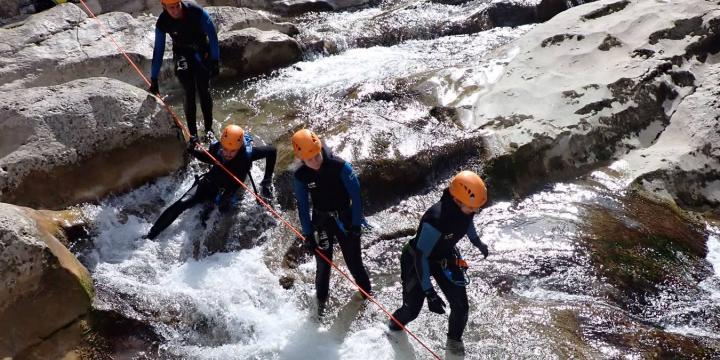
(433, 252)
(234, 151)
(336, 210)
(195, 54)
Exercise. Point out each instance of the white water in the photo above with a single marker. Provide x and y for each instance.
(224, 306)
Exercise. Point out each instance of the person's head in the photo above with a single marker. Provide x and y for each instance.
(172, 7)
(231, 141)
(469, 191)
(307, 148)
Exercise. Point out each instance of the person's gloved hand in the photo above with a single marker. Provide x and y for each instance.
(310, 243)
(192, 143)
(483, 249)
(154, 87)
(435, 303)
(214, 68)
(355, 233)
(266, 189)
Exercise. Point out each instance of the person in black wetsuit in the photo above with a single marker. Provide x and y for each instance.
(337, 216)
(196, 55)
(234, 151)
(433, 252)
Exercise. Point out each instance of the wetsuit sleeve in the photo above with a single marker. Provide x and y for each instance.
(473, 235)
(303, 204)
(209, 28)
(203, 156)
(427, 239)
(158, 53)
(269, 153)
(352, 185)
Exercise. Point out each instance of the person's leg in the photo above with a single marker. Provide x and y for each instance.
(352, 252)
(202, 81)
(322, 274)
(457, 298)
(413, 297)
(197, 193)
(187, 79)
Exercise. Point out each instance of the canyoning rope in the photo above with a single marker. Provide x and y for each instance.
(260, 200)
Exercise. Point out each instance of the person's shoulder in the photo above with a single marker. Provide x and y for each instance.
(433, 212)
(300, 171)
(162, 21)
(193, 7)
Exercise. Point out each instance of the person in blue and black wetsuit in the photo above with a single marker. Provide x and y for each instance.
(433, 252)
(234, 151)
(337, 216)
(196, 55)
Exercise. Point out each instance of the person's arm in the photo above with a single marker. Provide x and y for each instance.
(209, 28)
(352, 185)
(427, 239)
(269, 153)
(202, 155)
(303, 204)
(475, 239)
(158, 53)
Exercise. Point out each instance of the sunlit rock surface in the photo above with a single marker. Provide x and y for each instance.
(64, 44)
(44, 287)
(594, 83)
(80, 141)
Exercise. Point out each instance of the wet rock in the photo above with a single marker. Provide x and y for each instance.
(504, 13)
(295, 254)
(683, 164)
(250, 52)
(228, 19)
(296, 7)
(623, 332)
(94, 136)
(63, 44)
(611, 89)
(644, 247)
(44, 287)
(110, 334)
(287, 282)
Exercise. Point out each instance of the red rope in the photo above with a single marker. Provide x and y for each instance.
(260, 199)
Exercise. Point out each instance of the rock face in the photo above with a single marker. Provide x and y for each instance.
(63, 44)
(82, 140)
(44, 287)
(251, 51)
(286, 7)
(296, 7)
(599, 81)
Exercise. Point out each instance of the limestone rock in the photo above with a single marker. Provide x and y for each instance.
(251, 51)
(63, 44)
(80, 141)
(44, 287)
(590, 85)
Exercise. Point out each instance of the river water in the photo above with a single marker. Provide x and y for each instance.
(539, 295)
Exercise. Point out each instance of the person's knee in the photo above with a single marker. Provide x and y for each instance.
(460, 306)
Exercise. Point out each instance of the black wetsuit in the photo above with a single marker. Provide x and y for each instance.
(195, 51)
(432, 253)
(216, 183)
(336, 208)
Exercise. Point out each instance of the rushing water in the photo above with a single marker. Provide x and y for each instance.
(538, 296)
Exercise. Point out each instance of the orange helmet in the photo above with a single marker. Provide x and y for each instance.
(169, 2)
(468, 188)
(306, 144)
(232, 138)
